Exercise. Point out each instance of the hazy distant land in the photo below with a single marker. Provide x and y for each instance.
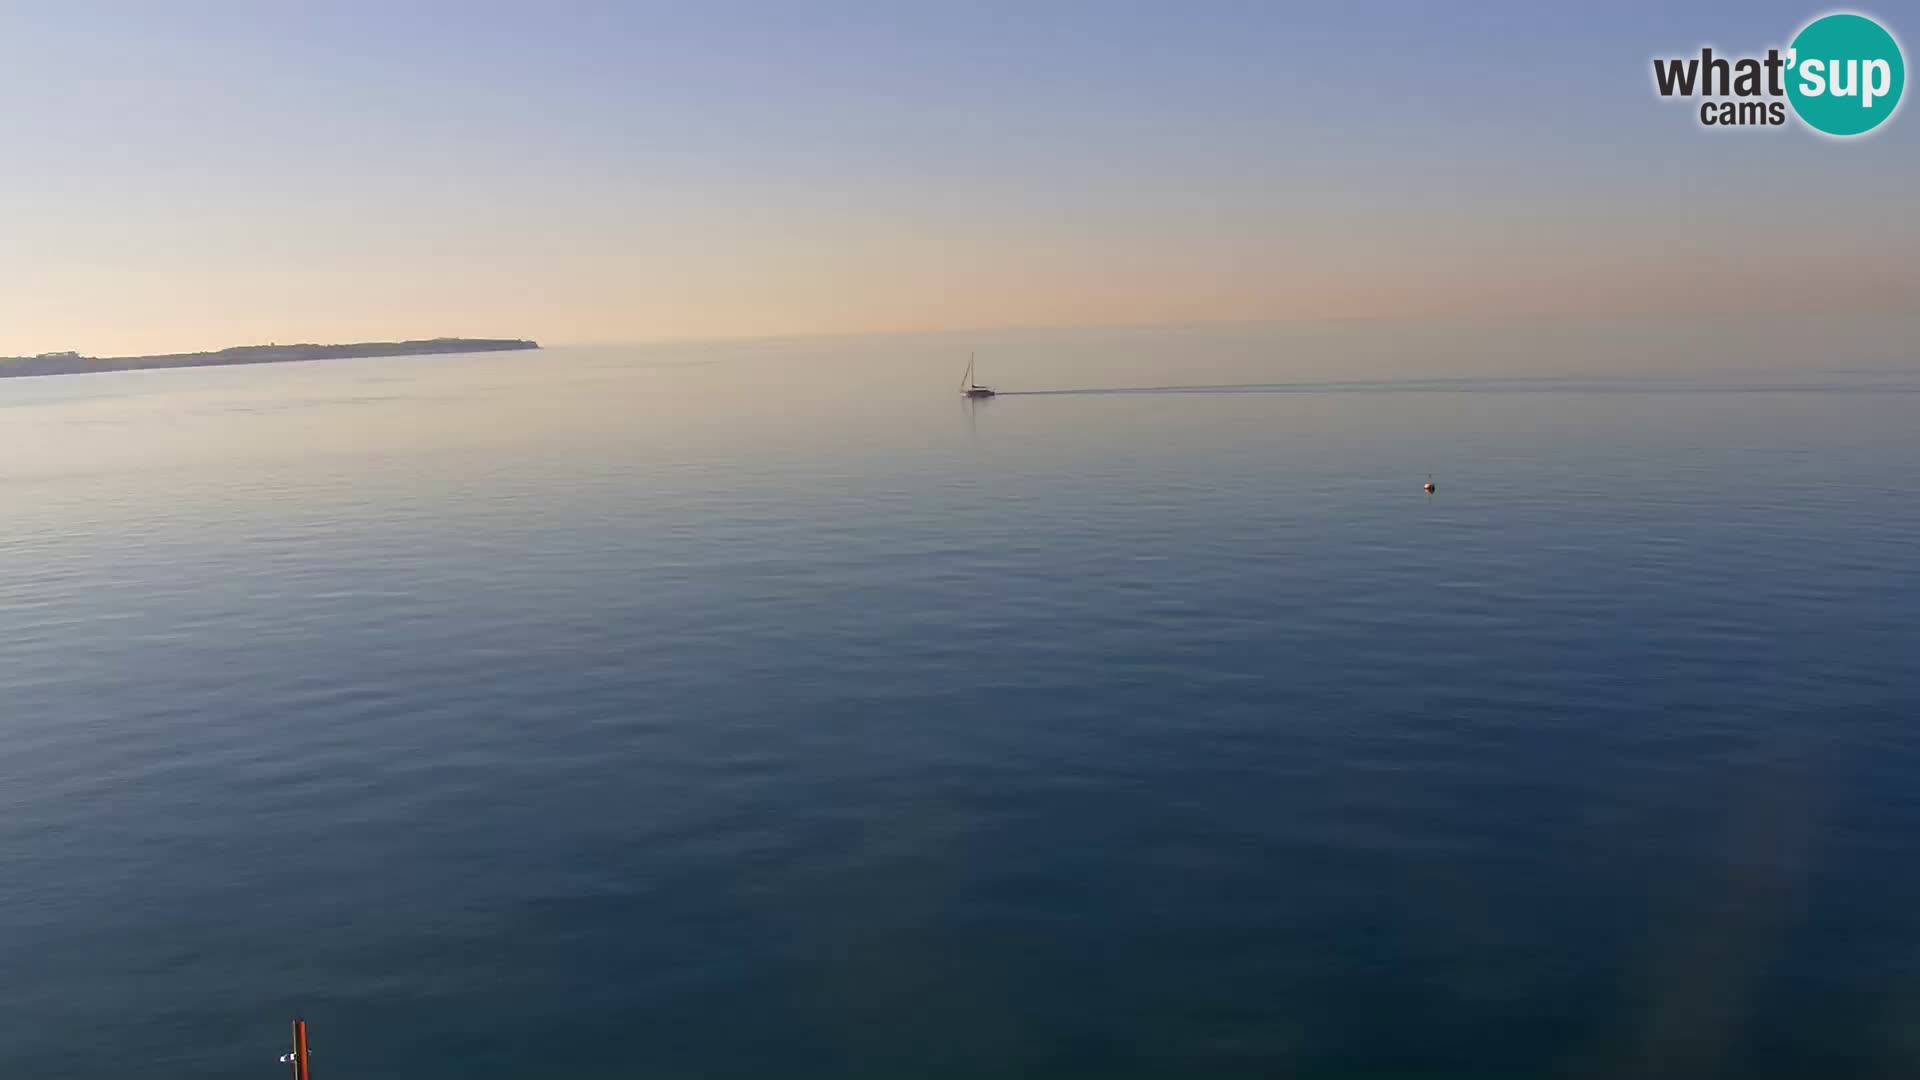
(72, 363)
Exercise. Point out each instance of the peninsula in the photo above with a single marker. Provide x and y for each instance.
(72, 363)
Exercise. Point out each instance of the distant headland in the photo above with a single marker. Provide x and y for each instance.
(72, 363)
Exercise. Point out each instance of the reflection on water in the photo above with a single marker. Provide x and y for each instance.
(763, 708)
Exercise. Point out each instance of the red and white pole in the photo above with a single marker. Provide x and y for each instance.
(300, 1050)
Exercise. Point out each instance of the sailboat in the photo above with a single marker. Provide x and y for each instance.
(969, 388)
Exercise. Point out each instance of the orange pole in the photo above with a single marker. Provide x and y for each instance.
(300, 1050)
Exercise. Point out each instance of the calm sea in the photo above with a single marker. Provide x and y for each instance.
(761, 709)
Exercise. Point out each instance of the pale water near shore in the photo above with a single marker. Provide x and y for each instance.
(761, 709)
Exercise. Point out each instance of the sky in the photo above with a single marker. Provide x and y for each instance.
(195, 175)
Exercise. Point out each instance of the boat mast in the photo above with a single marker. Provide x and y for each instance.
(966, 381)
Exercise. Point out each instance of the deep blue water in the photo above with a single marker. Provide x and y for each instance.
(762, 710)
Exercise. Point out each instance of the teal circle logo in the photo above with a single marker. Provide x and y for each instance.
(1845, 74)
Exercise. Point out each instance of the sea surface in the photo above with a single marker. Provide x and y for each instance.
(762, 709)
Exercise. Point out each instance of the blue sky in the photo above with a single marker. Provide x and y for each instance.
(189, 175)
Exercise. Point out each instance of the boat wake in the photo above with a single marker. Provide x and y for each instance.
(1485, 385)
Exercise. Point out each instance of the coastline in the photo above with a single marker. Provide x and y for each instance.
(74, 364)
